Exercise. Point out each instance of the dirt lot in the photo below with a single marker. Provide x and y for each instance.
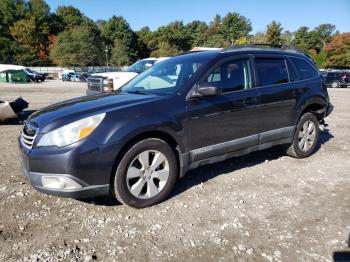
(261, 207)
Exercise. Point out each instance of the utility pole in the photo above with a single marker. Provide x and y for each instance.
(106, 51)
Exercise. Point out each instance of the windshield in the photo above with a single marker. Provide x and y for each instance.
(140, 66)
(28, 70)
(166, 77)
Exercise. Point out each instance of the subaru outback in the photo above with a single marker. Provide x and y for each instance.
(191, 110)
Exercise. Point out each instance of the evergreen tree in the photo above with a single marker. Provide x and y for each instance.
(274, 33)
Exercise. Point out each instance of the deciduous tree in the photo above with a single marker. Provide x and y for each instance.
(339, 51)
(78, 46)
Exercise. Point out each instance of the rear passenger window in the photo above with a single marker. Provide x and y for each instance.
(292, 74)
(271, 71)
(231, 76)
(306, 70)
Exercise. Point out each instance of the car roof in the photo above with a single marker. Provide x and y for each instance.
(244, 49)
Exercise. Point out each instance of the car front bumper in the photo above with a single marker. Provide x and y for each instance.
(73, 164)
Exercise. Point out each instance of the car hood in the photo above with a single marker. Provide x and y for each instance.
(68, 111)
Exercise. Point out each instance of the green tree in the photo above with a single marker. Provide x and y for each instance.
(10, 12)
(176, 35)
(301, 38)
(235, 26)
(69, 16)
(287, 37)
(274, 33)
(27, 46)
(198, 32)
(120, 54)
(40, 12)
(325, 32)
(215, 40)
(78, 46)
(100, 23)
(118, 28)
(146, 42)
(6, 52)
(165, 49)
(320, 58)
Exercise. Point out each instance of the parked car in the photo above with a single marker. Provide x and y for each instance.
(71, 77)
(35, 76)
(83, 77)
(337, 79)
(110, 81)
(190, 110)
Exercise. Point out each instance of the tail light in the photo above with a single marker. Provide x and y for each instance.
(110, 85)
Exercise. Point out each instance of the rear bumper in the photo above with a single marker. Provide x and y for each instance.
(329, 109)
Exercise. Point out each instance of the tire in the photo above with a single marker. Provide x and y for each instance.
(139, 184)
(305, 139)
(335, 84)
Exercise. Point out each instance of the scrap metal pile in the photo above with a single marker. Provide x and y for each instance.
(10, 110)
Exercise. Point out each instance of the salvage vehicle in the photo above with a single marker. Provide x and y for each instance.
(71, 77)
(111, 81)
(336, 79)
(35, 76)
(191, 110)
(9, 110)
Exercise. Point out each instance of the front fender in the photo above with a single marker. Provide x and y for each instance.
(121, 128)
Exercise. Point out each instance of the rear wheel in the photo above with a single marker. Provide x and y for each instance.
(146, 174)
(305, 138)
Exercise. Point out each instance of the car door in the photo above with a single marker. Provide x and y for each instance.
(277, 97)
(228, 121)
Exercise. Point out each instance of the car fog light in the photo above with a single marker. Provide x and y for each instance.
(57, 182)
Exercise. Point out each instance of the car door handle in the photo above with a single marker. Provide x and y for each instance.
(251, 101)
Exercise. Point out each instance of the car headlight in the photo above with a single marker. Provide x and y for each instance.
(71, 133)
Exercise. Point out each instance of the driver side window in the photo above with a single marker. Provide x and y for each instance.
(231, 76)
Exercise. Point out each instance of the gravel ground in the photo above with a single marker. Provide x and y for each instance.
(260, 207)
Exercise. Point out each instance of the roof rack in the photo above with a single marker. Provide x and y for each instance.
(282, 47)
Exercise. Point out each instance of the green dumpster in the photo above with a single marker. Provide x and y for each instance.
(3, 77)
(17, 76)
(13, 76)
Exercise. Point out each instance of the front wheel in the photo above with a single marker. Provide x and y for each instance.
(305, 138)
(146, 174)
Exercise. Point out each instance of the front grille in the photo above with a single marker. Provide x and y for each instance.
(95, 83)
(28, 135)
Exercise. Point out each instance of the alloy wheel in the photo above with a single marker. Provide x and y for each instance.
(307, 134)
(147, 174)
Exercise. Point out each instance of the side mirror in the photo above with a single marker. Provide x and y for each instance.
(206, 89)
